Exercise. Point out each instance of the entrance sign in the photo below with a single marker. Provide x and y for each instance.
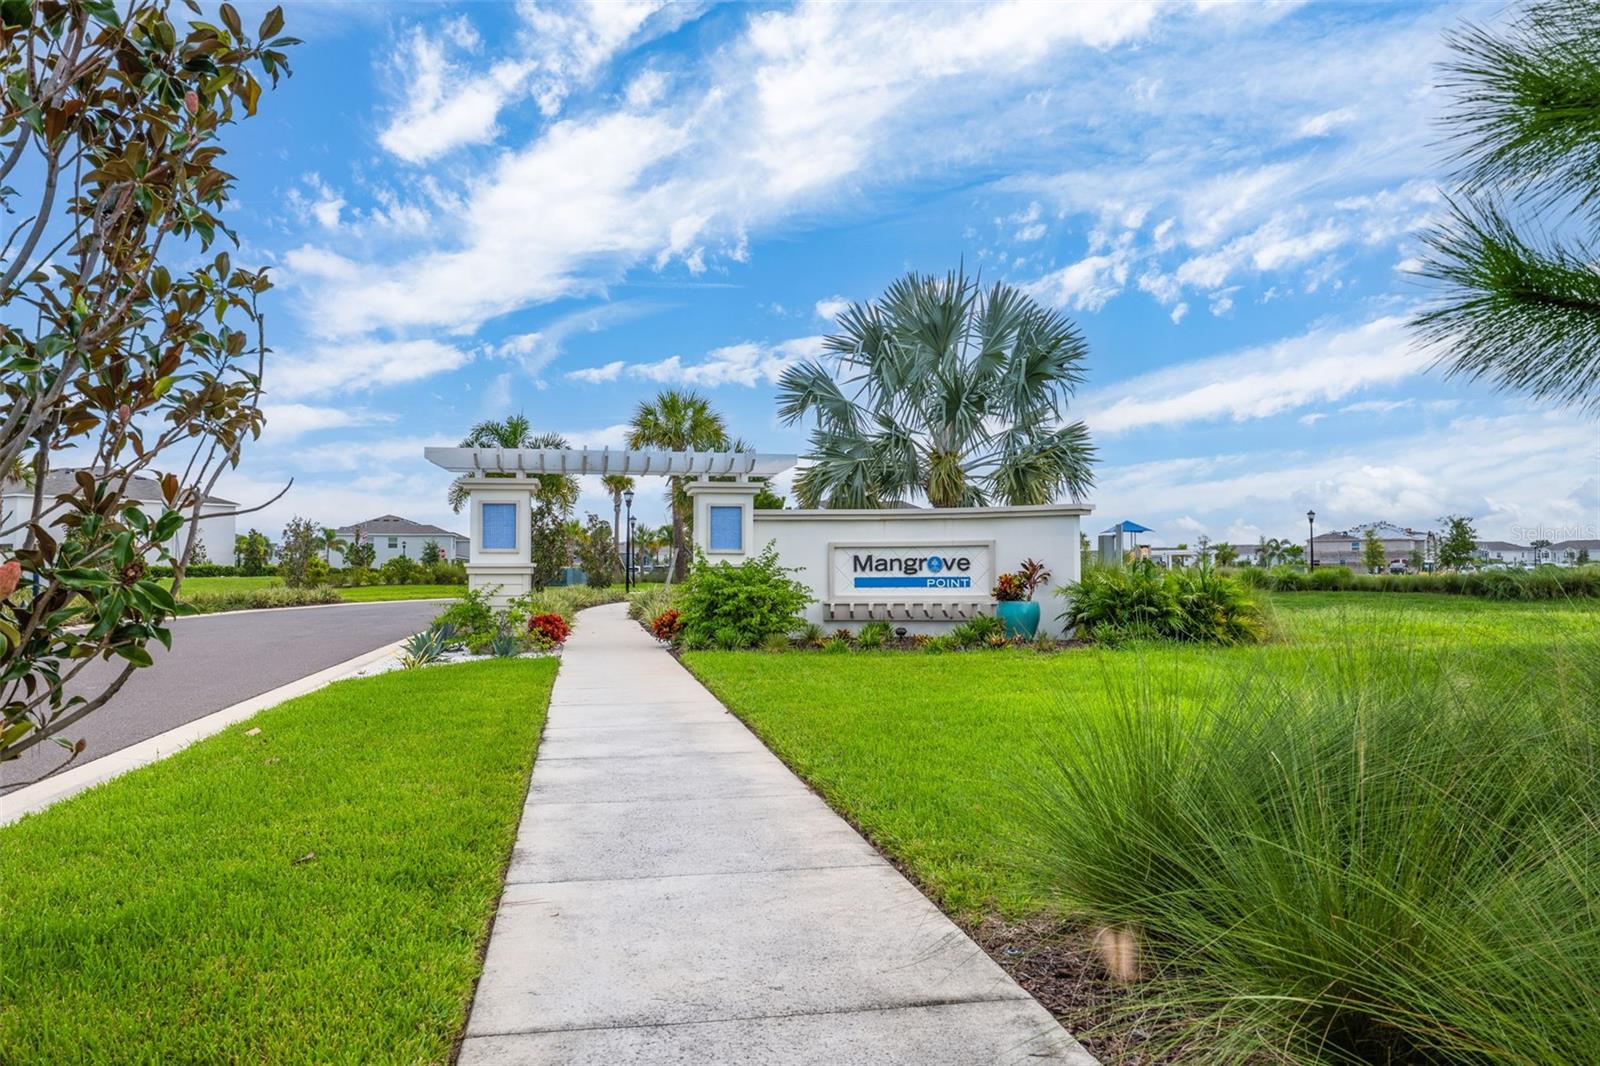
(900, 571)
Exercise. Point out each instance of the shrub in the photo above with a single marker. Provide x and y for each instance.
(1142, 601)
(1385, 859)
(667, 626)
(548, 630)
(423, 648)
(721, 602)
(811, 636)
(297, 551)
(775, 642)
(836, 646)
(398, 571)
(470, 616)
(256, 599)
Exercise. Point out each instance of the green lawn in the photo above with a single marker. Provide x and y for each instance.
(318, 892)
(925, 752)
(375, 593)
(209, 586)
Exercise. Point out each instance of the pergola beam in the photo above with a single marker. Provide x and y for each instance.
(583, 461)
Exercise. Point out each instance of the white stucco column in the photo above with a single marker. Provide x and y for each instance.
(499, 561)
(724, 526)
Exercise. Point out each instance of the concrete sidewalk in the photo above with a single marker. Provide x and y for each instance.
(678, 896)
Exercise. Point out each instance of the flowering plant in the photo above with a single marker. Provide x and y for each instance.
(548, 630)
(667, 626)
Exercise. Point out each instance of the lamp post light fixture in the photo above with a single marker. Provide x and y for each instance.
(1311, 541)
(627, 565)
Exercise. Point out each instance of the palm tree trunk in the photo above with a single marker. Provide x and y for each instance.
(617, 541)
(680, 562)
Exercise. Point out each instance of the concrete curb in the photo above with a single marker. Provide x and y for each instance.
(41, 794)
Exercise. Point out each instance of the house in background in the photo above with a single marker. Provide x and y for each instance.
(215, 529)
(1345, 547)
(1569, 552)
(391, 535)
(1503, 552)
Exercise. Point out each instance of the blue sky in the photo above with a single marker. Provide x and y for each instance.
(486, 208)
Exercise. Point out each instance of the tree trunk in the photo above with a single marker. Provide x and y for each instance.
(618, 541)
(680, 562)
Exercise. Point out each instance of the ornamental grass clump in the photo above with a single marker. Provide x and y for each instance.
(1386, 857)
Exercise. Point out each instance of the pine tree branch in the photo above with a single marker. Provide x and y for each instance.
(1519, 315)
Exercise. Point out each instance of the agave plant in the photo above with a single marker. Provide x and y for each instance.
(505, 646)
(944, 390)
(422, 648)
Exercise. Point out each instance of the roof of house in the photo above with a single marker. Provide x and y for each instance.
(1575, 545)
(1501, 546)
(392, 525)
(142, 488)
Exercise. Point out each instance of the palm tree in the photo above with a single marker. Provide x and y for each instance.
(557, 490)
(617, 484)
(678, 420)
(330, 543)
(948, 391)
(1518, 291)
(1271, 551)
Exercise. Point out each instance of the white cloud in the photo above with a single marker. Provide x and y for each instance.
(747, 363)
(287, 421)
(806, 100)
(358, 366)
(1085, 285)
(830, 309)
(1376, 407)
(1325, 123)
(451, 99)
(1326, 363)
(598, 375)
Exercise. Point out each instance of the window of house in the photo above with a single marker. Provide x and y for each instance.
(499, 527)
(394, 542)
(727, 529)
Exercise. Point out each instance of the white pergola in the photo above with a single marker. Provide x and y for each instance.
(499, 484)
(483, 462)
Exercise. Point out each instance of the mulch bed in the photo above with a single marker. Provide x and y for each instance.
(1060, 967)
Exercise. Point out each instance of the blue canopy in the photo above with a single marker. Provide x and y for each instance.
(1125, 526)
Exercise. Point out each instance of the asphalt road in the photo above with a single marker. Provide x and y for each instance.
(216, 661)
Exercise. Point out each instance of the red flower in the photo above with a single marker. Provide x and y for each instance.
(10, 575)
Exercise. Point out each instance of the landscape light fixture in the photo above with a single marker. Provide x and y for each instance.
(627, 563)
(1311, 541)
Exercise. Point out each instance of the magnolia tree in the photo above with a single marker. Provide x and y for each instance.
(115, 359)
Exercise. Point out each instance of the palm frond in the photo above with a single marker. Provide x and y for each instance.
(808, 388)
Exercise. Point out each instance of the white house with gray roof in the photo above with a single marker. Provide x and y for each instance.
(391, 535)
(215, 529)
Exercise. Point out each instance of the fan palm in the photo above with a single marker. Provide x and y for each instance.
(948, 391)
(557, 490)
(678, 420)
(617, 484)
(331, 542)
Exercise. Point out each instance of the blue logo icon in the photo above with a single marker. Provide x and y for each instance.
(935, 564)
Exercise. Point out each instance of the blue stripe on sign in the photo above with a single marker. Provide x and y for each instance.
(913, 582)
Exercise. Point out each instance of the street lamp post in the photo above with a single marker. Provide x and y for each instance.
(627, 568)
(1311, 540)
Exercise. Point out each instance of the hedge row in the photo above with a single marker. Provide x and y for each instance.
(1545, 583)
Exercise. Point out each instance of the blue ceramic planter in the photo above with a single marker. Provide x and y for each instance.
(1020, 617)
